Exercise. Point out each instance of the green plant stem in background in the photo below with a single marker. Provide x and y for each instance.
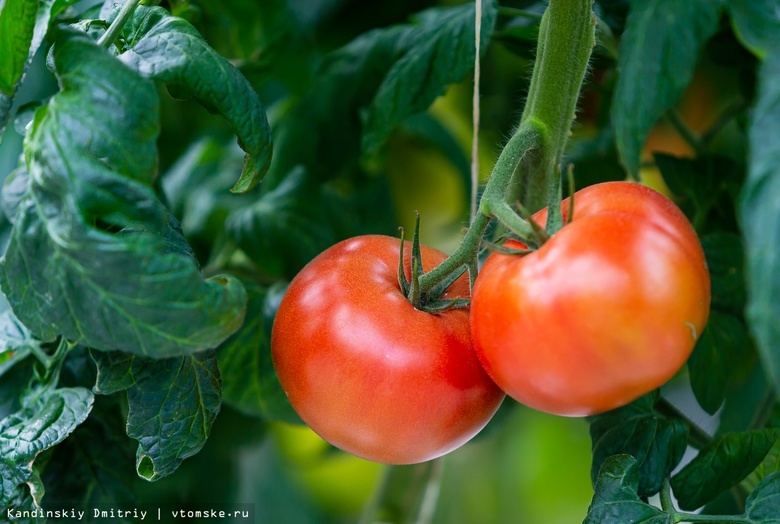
(679, 517)
(119, 22)
(566, 40)
(697, 437)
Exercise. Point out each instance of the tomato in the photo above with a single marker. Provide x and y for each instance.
(367, 371)
(605, 311)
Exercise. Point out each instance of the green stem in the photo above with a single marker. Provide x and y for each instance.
(119, 22)
(711, 519)
(567, 35)
(431, 495)
(724, 119)
(666, 497)
(524, 140)
(677, 516)
(566, 40)
(697, 437)
(370, 510)
(686, 132)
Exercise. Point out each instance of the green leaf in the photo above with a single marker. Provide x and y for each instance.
(658, 53)
(42, 423)
(721, 465)
(760, 220)
(656, 442)
(197, 188)
(13, 385)
(16, 341)
(616, 501)
(23, 507)
(91, 467)
(756, 24)
(763, 504)
(725, 261)
(442, 53)
(250, 382)
(770, 464)
(721, 349)
(23, 25)
(91, 155)
(520, 35)
(13, 191)
(171, 50)
(17, 22)
(172, 404)
(286, 227)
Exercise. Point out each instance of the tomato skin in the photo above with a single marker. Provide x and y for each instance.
(605, 311)
(367, 371)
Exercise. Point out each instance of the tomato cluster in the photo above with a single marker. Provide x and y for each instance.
(609, 308)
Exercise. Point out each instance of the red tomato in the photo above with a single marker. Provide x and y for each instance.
(605, 311)
(367, 371)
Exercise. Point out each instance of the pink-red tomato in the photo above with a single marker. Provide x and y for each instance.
(367, 371)
(605, 311)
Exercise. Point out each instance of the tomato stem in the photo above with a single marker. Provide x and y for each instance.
(522, 142)
(567, 35)
(566, 40)
(119, 22)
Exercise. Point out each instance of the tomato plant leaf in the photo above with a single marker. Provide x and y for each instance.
(17, 22)
(67, 270)
(721, 465)
(197, 187)
(13, 384)
(659, 51)
(23, 504)
(616, 501)
(263, 37)
(171, 50)
(442, 53)
(172, 404)
(45, 420)
(725, 261)
(15, 341)
(250, 382)
(656, 442)
(720, 350)
(23, 25)
(760, 220)
(763, 504)
(91, 467)
(286, 227)
(756, 24)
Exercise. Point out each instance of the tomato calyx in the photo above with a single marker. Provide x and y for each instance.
(532, 234)
(429, 301)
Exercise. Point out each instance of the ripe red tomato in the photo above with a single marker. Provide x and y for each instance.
(605, 311)
(367, 371)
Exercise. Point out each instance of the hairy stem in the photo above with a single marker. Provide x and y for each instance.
(525, 140)
(567, 35)
(566, 40)
(119, 22)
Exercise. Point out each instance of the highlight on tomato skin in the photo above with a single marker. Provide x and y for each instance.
(605, 311)
(367, 371)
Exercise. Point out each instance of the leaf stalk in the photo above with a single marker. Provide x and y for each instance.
(107, 39)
